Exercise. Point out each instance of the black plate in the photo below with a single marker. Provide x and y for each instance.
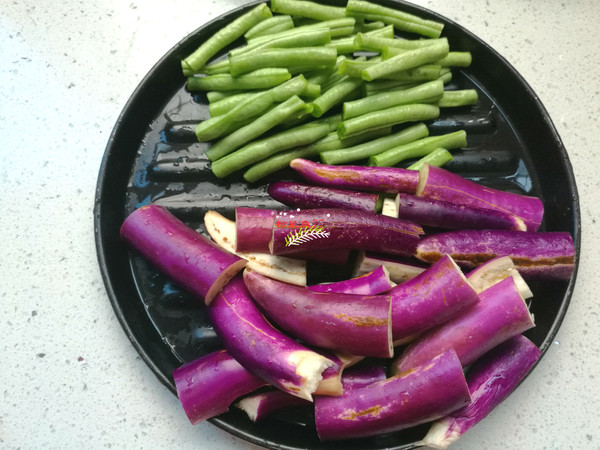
(152, 156)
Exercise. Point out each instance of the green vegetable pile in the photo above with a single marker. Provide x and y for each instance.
(279, 96)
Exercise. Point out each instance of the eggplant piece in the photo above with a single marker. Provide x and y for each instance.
(440, 184)
(494, 271)
(536, 255)
(331, 229)
(361, 178)
(354, 324)
(297, 195)
(500, 314)
(433, 297)
(208, 385)
(372, 283)
(427, 392)
(490, 379)
(223, 232)
(259, 347)
(399, 271)
(193, 261)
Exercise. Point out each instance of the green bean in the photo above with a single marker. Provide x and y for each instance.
(388, 117)
(307, 38)
(282, 58)
(362, 26)
(377, 87)
(430, 91)
(312, 90)
(336, 94)
(215, 127)
(452, 59)
(215, 68)
(337, 28)
(401, 20)
(259, 79)
(269, 26)
(426, 72)
(346, 44)
(437, 158)
(330, 142)
(445, 75)
(411, 44)
(261, 125)
(463, 97)
(223, 38)
(258, 150)
(363, 151)
(226, 104)
(406, 60)
(215, 96)
(308, 9)
(419, 148)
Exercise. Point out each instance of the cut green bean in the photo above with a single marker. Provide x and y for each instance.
(312, 90)
(282, 160)
(346, 45)
(404, 61)
(282, 58)
(337, 28)
(215, 96)
(453, 99)
(374, 147)
(401, 20)
(418, 149)
(269, 26)
(335, 95)
(226, 104)
(362, 26)
(258, 79)
(222, 38)
(215, 127)
(303, 8)
(429, 91)
(258, 150)
(308, 38)
(388, 117)
(426, 72)
(445, 75)
(215, 68)
(261, 125)
(456, 59)
(437, 158)
(411, 44)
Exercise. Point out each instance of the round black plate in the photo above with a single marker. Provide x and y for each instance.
(152, 157)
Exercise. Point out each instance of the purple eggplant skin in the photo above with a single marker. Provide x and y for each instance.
(253, 229)
(331, 229)
(491, 379)
(425, 393)
(440, 184)
(372, 283)
(361, 178)
(442, 214)
(500, 314)
(536, 255)
(193, 261)
(361, 376)
(354, 324)
(297, 195)
(437, 295)
(259, 347)
(207, 386)
(399, 270)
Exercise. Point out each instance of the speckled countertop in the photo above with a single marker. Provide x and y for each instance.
(69, 377)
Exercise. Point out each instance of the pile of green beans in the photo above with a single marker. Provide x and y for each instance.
(329, 82)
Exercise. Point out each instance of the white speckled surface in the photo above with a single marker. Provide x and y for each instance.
(68, 375)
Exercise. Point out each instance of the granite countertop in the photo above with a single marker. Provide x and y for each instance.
(70, 378)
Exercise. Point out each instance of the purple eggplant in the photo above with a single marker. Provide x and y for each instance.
(433, 297)
(494, 271)
(398, 270)
(361, 178)
(330, 229)
(440, 184)
(500, 314)
(353, 324)
(362, 376)
(442, 214)
(372, 283)
(536, 255)
(254, 229)
(208, 385)
(193, 261)
(491, 379)
(425, 393)
(296, 195)
(259, 347)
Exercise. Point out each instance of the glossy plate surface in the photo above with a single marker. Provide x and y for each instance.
(152, 157)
